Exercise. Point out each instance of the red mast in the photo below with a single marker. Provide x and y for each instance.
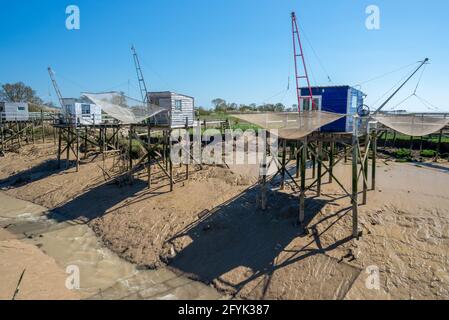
(297, 41)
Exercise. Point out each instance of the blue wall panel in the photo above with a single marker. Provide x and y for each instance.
(335, 99)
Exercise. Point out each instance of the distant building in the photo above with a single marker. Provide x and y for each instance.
(14, 111)
(336, 99)
(80, 111)
(180, 109)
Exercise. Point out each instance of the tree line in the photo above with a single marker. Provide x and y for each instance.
(20, 92)
(221, 106)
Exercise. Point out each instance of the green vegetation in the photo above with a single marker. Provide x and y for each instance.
(402, 137)
(402, 154)
(428, 153)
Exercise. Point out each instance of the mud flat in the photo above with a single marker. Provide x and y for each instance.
(45, 248)
(209, 229)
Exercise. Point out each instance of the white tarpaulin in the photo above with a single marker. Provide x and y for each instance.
(414, 125)
(123, 108)
(291, 125)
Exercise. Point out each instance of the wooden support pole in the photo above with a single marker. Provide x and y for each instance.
(264, 167)
(170, 163)
(149, 156)
(313, 166)
(32, 131)
(69, 137)
(303, 185)
(365, 169)
(187, 158)
(298, 159)
(374, 156)
(43, 126)
(437, 153)
(355, 230)
(394, 139)
(320, 159)
(85, 142)
(77, 150)
(331, 159)
(411, 145)
(59, 147)
(284, 154)
(130, 138)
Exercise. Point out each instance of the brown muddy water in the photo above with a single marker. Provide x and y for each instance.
(103, 275)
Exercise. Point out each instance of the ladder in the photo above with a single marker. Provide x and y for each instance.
(297, 46)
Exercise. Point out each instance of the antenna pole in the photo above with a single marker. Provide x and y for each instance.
(402, 85)
(298, 76)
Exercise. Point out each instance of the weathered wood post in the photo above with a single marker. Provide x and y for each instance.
(43, 126)
(437, 153)
(59, 147)
(303, 185)
(284, 154)
(365, 169)
(130, 149)
(32, 131)
(331, 159)
(187, 138)
(320, 158)
(85, 142)
(354, 199)
(264, 168)
(69, 143)
(298, 158)
(77, 150)
(149, 154)
(170, 163)
(374, 156)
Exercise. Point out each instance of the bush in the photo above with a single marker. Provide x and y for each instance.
(402, 154)
(428, 153)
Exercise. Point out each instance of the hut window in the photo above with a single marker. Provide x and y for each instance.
(20, 108)
(305, 103)
(178, 105)
(85, 109)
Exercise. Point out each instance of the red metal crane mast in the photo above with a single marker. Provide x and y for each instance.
(298, 76)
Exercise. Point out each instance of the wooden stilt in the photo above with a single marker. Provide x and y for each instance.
(365, 170)
(374, 156)
(85, 142)
(264, 167)
(32, 132)
(355, 230)
(59, 147)
(331, 160)
(298, 159)
(69, 137)
(43, 126)
(437, 153)
(320, 158)
(77, 150)
(170, 163)
(284, 153)
(303, 185)
(149, 156)
(130, 138)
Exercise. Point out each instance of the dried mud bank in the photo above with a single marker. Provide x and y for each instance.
(210, 229)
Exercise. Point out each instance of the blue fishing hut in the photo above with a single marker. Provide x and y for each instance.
(336, 99)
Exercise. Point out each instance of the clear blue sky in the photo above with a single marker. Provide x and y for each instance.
(238, 50)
